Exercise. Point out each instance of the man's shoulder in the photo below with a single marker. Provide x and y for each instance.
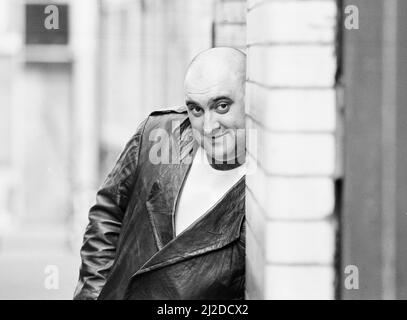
(168, 119)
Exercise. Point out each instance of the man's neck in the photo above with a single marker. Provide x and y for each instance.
(225, 165)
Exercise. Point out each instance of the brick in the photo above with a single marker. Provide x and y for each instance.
(292, 21)
(252, 143)
(255, 217)
(292, 66)
(300, 242)
(230, 35)
(255, 141)
(295, 282)
(230, 12)
(297, 198)
(255, 266)
(289, 198)
(295, 154)
(292, 109)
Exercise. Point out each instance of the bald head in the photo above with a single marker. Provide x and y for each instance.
(216, 65)
(214, 96)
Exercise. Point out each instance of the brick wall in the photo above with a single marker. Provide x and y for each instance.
(229, 28)
(291, 225)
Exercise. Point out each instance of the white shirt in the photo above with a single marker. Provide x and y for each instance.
(203, 188)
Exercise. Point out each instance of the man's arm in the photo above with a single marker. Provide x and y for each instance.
(105, 219)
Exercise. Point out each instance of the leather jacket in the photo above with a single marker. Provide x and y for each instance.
(130, 250)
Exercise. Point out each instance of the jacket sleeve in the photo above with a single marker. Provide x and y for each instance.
(105, 219)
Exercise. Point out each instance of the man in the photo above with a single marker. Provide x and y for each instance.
(168, 222)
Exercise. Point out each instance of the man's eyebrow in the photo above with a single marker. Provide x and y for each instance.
(212, 101)
(221, 98)
(191, 102)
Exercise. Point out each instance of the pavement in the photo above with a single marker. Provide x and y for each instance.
(37, 262)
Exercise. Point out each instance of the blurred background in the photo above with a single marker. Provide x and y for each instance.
(69, 100)
(326, 95)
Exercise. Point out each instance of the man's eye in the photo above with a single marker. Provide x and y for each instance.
(222, 107)
(196, 111)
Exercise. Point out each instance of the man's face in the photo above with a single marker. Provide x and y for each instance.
(216, 112)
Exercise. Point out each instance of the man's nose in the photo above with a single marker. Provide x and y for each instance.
(211, 125)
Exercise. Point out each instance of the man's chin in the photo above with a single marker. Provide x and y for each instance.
(218, 158)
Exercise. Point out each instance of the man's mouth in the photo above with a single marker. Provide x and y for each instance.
(218, 136)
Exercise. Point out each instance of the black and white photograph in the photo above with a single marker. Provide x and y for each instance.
(211, 150)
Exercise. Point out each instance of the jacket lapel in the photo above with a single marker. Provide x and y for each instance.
(162, 200)
(164, 193)
(216, 229)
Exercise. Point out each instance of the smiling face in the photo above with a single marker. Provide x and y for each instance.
(214, 96)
